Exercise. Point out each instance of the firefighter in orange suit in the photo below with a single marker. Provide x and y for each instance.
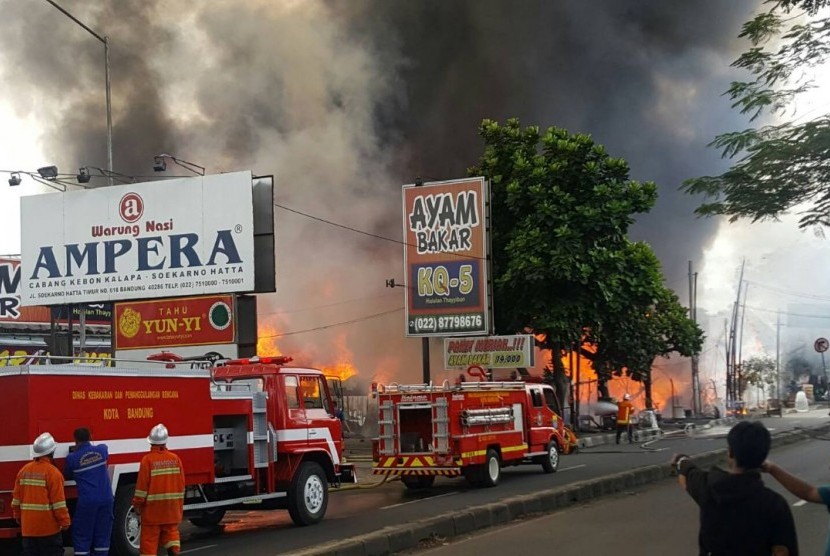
(624, 410)
(159, 496)
(39, 503)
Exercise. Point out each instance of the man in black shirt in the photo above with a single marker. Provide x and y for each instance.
(738, 514)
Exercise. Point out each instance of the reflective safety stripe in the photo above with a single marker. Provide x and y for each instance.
(81, 553)
(173, 543)
(33, 482)
(37, 507)
(166, 471)
(102, 549)
(82, 469)
(166, 496)
(15, 502)
(141, 494)
(58, 505)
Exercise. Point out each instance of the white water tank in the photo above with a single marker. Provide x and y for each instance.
(801, 404)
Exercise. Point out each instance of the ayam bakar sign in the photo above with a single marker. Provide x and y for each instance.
(445, 258)
(189, 321)
(180, 237)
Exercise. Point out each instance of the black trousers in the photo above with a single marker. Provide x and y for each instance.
(43, 546)
(627, 429)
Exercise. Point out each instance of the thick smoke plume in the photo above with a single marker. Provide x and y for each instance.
(344, 102)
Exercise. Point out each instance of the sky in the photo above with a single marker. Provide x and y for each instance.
(344, 102)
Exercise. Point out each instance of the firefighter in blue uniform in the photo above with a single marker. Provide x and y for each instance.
(92, 522)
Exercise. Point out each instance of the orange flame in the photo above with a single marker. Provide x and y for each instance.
(661, 386)
(266, 344)
(342, 368)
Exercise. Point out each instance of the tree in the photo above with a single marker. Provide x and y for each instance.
(563, 267)
(777, 166)
(757, 371)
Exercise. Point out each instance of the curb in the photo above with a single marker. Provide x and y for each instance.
(392, 539)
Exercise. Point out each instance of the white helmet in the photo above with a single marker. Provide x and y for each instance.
(158, 435)
(44, 445)
(626, 397)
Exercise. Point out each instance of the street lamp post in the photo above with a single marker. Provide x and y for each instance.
(106, 43)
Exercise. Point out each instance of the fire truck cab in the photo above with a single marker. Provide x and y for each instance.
(472, 429)
(251, 433)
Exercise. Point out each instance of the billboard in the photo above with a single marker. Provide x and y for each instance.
(166, 323)
(189, 236)
(490, 352)
(445, 258)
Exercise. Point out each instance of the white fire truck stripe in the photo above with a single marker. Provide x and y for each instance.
(321, 433)
(116, 446)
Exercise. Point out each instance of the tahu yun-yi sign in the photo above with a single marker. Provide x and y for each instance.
(445, 258)
(169, 238)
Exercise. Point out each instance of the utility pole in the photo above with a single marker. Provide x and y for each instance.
(778, 358)
(732, 371)
(696, 409)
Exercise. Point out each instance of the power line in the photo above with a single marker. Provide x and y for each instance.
(332, 325)
(370, 234)
(289, 311)
(788, 313)
(790, 292)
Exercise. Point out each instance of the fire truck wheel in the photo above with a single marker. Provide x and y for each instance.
(308, 495)
(491, 473)
(550, 463)
(208, 518)
(126, 527)
(418, 482)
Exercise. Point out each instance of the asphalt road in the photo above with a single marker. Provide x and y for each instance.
(657, 519)
(361, 511)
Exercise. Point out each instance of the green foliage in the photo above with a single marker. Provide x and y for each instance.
(777, 166)
(563, 266)
(757, 371)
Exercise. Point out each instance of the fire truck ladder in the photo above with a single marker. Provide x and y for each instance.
(386, 429)
(441, 422)
(260, 415)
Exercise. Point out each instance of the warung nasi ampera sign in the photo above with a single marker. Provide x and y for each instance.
(166, 238)
(445, 258)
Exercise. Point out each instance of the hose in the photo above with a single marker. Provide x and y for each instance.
(368, 485)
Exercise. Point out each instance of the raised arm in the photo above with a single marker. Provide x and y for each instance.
(796, 486)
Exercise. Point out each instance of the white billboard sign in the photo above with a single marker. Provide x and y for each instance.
(490, 352)
(168, 238)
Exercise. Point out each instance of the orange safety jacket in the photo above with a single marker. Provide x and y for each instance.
(38, 500)
(625, 409)
(159, 492)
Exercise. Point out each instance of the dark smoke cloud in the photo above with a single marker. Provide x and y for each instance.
(345, 101)
(643, 78)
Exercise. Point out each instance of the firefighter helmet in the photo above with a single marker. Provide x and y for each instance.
(158, 435)
(44, 445)
(626, 397)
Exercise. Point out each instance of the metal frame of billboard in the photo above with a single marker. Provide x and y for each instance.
(446, 261)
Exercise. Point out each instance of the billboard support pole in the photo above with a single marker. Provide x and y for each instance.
(425, 357)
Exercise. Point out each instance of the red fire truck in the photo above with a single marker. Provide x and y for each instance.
(470, 428)
(251, 433)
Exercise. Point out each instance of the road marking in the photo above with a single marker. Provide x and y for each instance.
(572, 467)
(419, 500)
(800, 503)
(197, 549)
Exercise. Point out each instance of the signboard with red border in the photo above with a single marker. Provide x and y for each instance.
(445, 258)
(185, 321)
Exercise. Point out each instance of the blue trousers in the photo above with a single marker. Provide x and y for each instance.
(92, 528)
